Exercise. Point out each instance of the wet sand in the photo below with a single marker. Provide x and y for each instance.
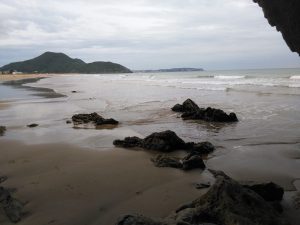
(64, 184)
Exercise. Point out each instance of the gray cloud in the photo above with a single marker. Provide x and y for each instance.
(144, 33)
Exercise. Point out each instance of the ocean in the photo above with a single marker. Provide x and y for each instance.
(264, 143)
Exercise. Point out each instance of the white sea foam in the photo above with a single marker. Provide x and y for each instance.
(229, 77)
(295, 77)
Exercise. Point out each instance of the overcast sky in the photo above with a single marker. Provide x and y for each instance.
(144, 34)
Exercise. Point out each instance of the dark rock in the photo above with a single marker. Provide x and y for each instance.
(269, 191)
(2, 130)
(167, 161)
(92, 118)
(165, 141)
(128, 142)
(11, 206)
(193, 162)
(286, 17)
(74, 91)
(32, 125)
(226, 203)
(203, 148)
(202, 185)
(187, 106)
(137, 220)
(68, 121)
(191, 111)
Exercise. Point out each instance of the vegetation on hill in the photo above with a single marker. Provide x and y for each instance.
(51, 62)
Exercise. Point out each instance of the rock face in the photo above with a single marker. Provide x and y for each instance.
(2, 130)
(191, 111)
(227, 202)
(285, 16)
(92, 118)
(10, 206)
(166, 141)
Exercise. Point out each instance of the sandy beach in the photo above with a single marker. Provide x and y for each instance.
(64, 184)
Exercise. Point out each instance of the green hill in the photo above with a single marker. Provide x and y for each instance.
(51, 62)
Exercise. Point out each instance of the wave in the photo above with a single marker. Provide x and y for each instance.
(295, 77)
(229, 77)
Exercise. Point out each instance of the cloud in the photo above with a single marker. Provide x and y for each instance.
(143, 33)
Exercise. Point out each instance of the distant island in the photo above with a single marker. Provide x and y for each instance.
(169, 70)
(51, 62)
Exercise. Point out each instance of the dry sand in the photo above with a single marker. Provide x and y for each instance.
(65, 185)
(6, 77)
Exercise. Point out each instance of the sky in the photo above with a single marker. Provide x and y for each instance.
(144, 34)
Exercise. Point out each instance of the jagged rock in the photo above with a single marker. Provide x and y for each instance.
(285, 16)
(191, 111)
(32, 125)
(92, 118)
(187, 106)
(11, 206)
(269, 191)
(167, 161)
(2, 130)
(203, 148)
(129, 142)
(187, 163)
(192, 162)
(165, 141)
(226, 203)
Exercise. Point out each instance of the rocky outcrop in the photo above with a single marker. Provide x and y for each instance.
(227, 202)
(166, 141)
(10, 206)
(285, 16)
(94, 118)
(2, 130)
(191, 111)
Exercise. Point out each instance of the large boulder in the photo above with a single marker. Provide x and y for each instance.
(226, 203)
(92, 118)
(191, 111)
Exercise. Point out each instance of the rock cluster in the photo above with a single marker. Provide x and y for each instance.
(191, 111)
(227, 202)
(94, 118)
(2, 130)
(166, 141)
